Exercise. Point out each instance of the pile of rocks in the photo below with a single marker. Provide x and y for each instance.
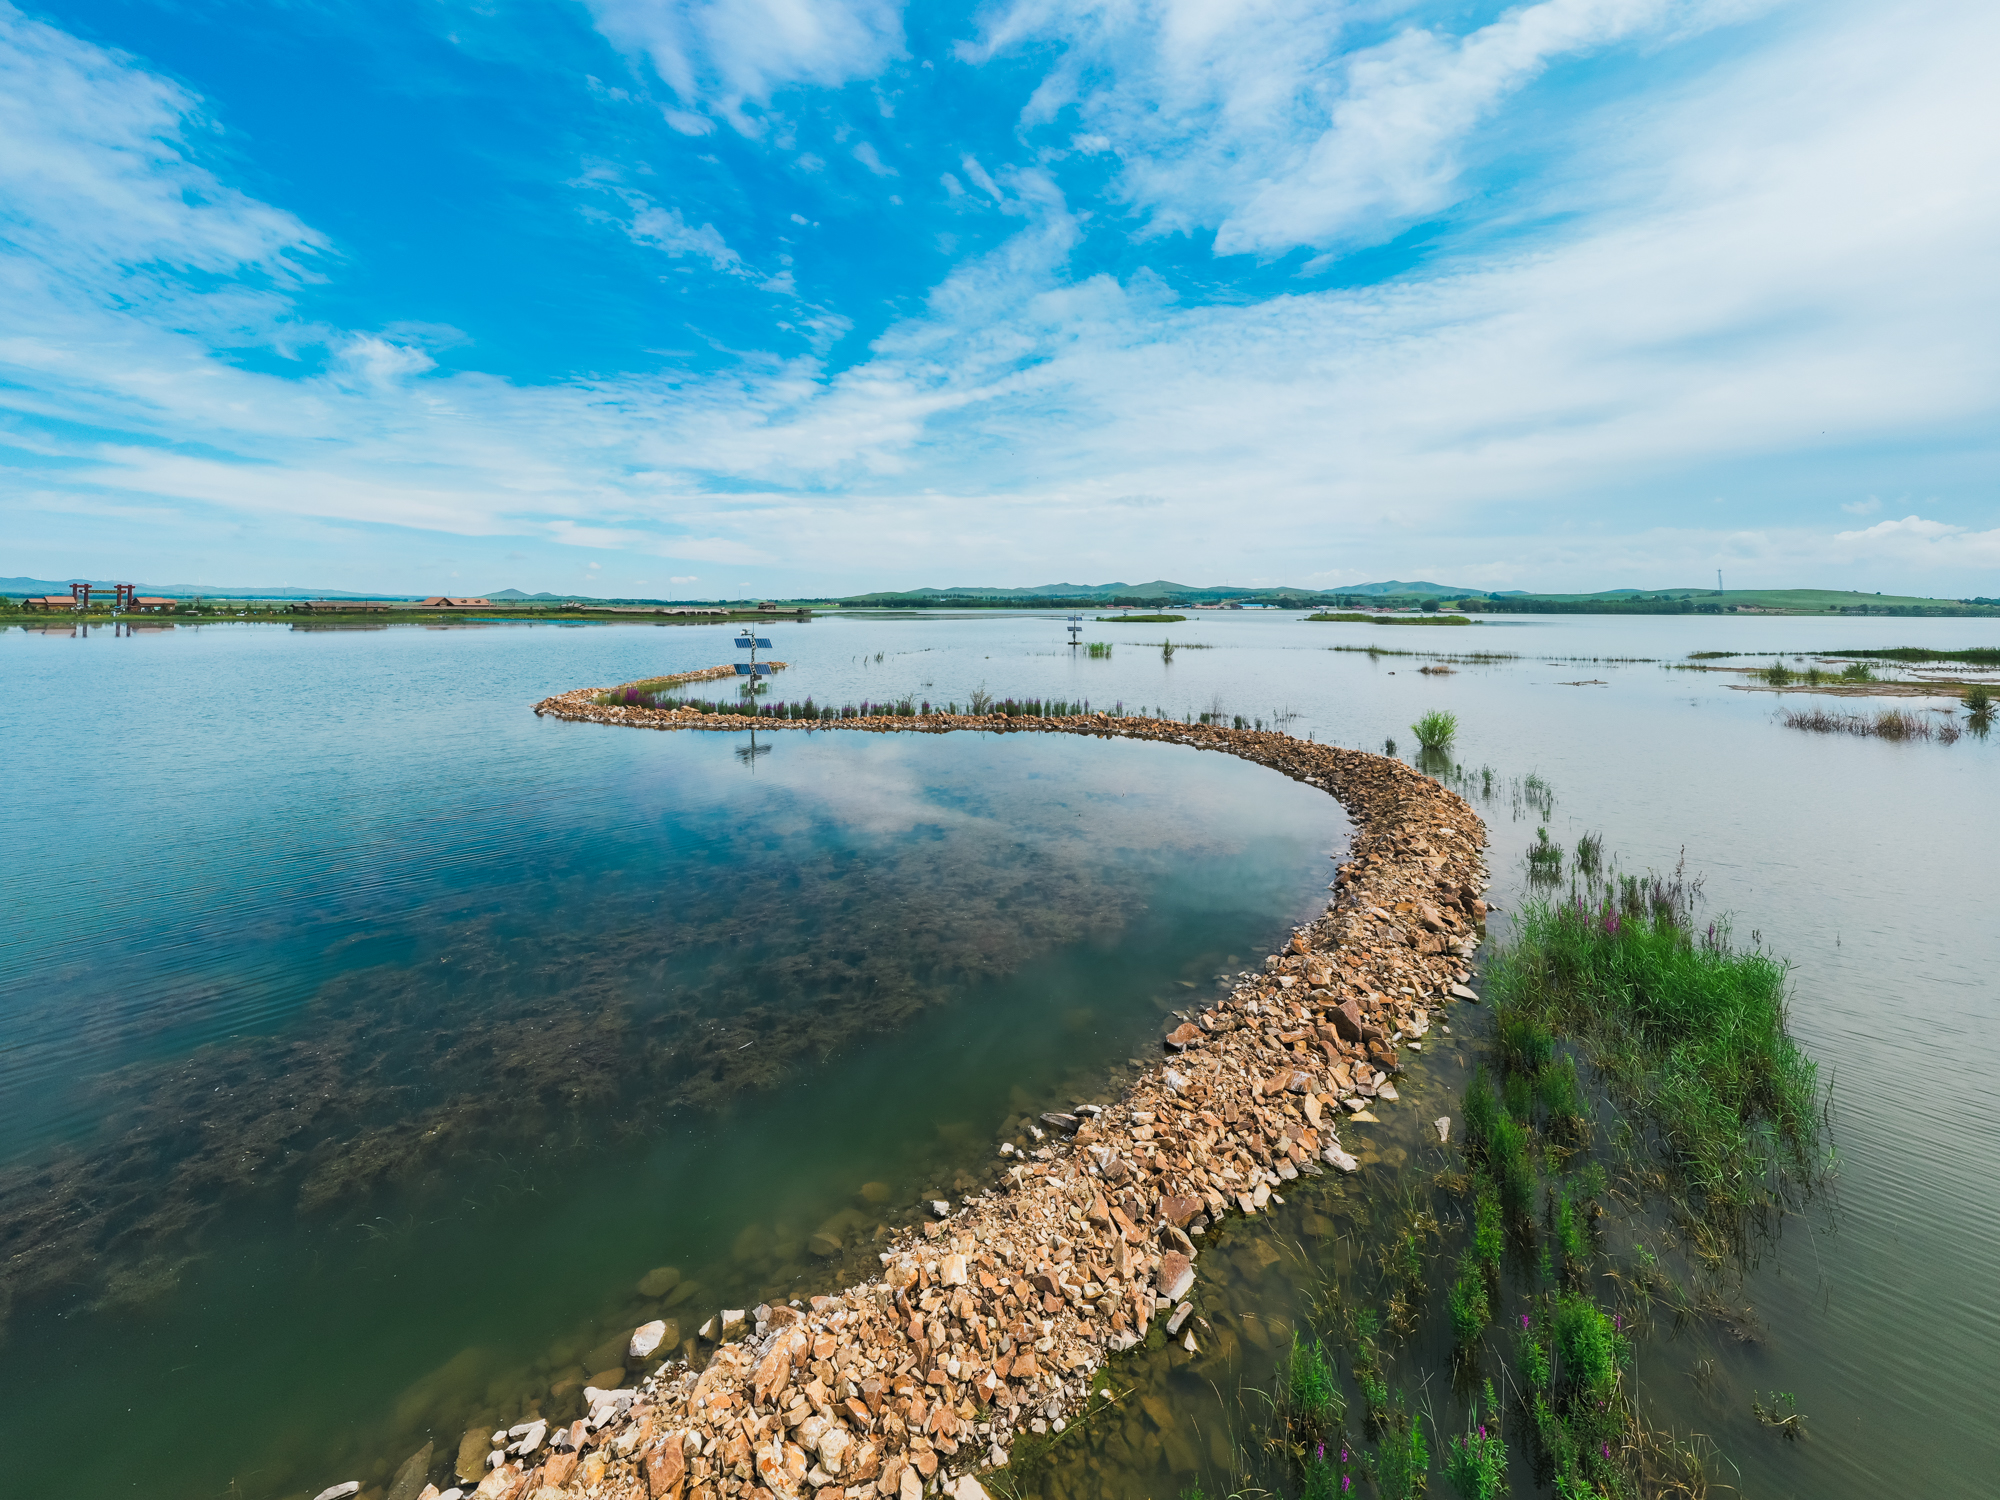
(993, 1319)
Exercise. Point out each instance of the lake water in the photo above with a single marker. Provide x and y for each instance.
(364, 1039)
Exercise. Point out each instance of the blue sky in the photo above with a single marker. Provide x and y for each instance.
(807, 296)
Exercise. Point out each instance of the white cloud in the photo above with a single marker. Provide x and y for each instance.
(867, 155)
(728, 53)
(104, 199)
(1909, 526)
(664, 228)
(1266, 120)
(1866, 507)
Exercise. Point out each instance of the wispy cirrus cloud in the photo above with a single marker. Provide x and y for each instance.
(724, 56)
(1280, 123)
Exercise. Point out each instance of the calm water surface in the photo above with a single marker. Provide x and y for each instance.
(374, 1037)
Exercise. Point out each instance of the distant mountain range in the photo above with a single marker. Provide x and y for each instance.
(1162, 589)
(1392, 591)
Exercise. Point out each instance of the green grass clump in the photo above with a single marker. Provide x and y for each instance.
(1140, 619)
(1489, 1235)
(1312, 1392)
(1857, 671)
(1099, 650)
(1476, 1463)
(1357, 618)
(1512, 1169)
(1979, 700)
(1561, 1093)
(1403, 1461)
(1436, 729)
(1470, 1309)
(1545, 857)
(1689, 1030)
(1776, 675)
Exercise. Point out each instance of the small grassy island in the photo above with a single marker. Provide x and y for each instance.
(1355, 617)
(1140, 619)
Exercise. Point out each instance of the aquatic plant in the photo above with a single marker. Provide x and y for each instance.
(1436, 729)
(1167, 651)
(1544, 858)
(1889, 724)
(1776, 675)
(1313, 1405)
(1978, 699)
(1589, 853)
(1476, 1462)
(1403, 1461)
(1690, 1031)
(1857, 671)
(1389, 746)
(1781, 1415)
(1561, 1093)
(1099, 650)
(980, 701)
(1467, 1300)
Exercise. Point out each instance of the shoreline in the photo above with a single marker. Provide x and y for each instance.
(990, 1323)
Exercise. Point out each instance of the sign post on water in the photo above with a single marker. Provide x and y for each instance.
(1075, 630)
(752, 669)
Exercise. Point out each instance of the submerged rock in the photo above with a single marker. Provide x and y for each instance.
(659, 1281)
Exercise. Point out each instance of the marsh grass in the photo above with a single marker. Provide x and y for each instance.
(1436, 730)
(1356, 618)
(1476, 1461)
(746, 706)
(1099, 650)
(1887, 724)
(1461, 658)
(1545, 857)
(1690, 1032)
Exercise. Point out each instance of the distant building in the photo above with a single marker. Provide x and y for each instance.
(442, 601)
(53, 601)
(154, 604)
(347, 606)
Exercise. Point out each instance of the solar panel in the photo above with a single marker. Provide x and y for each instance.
(743, 669)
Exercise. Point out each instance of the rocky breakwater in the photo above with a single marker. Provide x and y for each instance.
(992, 1320)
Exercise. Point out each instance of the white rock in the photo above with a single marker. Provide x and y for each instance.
(1334, 1157)
(646, 1338)
(941, 1208)
(833, 1445)
(1443, 1123)
(340, 1491)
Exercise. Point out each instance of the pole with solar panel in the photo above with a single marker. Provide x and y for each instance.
(752, 669)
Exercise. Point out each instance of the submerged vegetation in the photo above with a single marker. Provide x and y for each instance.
(1888, 724)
